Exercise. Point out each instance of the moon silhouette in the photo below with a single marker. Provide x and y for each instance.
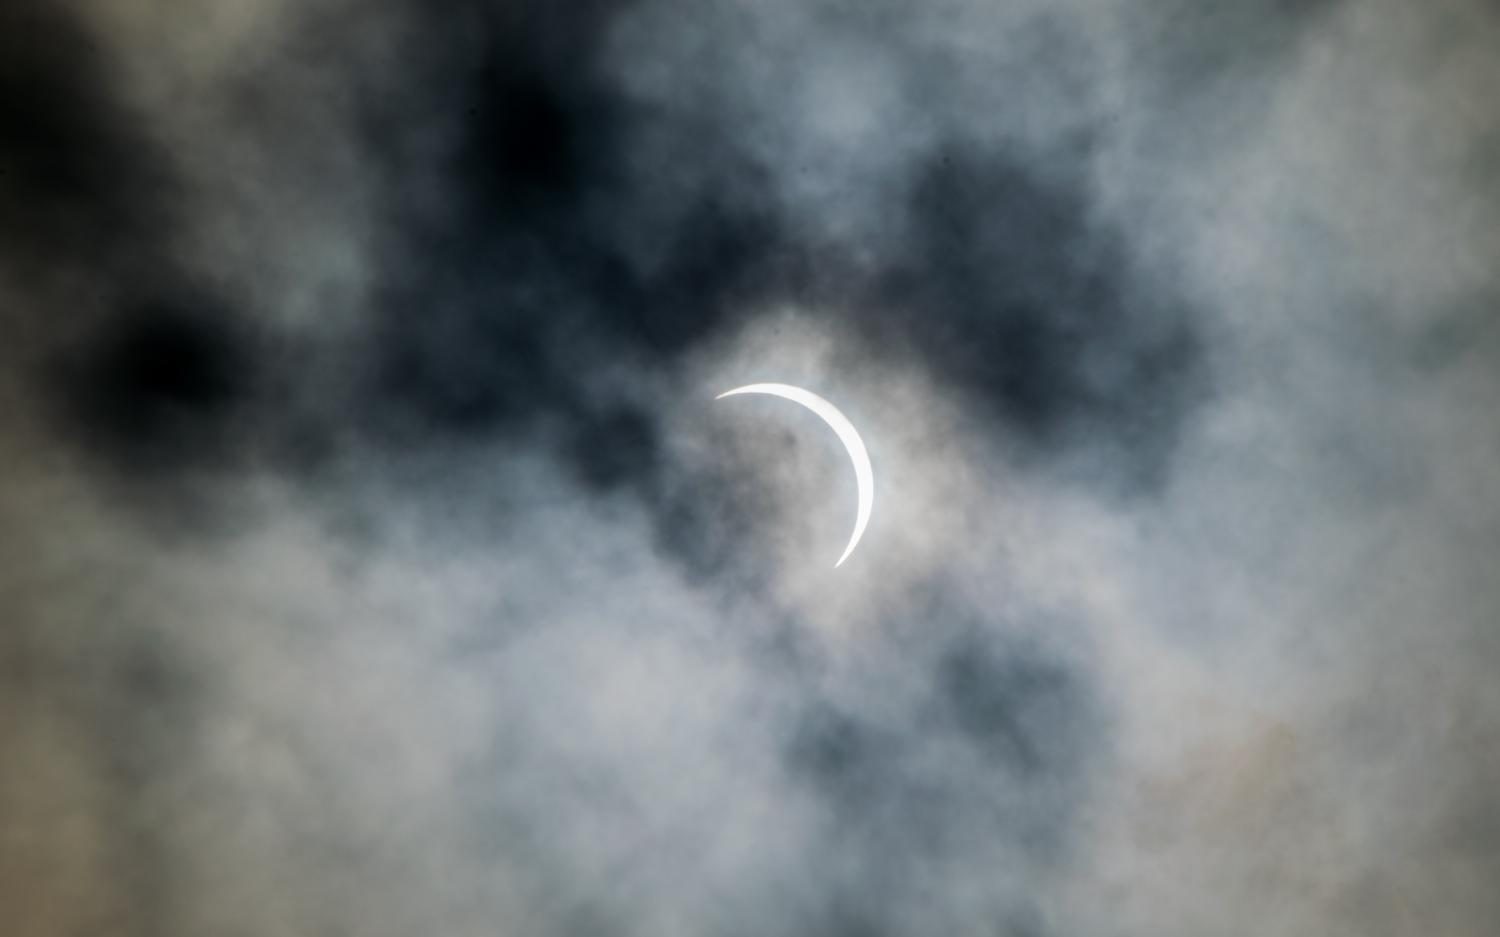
(864, 475)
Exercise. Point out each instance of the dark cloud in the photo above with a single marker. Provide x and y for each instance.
(1014, 293)
(132, 362)
(166, 381)
(1003, 284)
(81, 185)
(510, 174)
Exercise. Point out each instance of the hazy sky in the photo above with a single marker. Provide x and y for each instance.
(375, 561)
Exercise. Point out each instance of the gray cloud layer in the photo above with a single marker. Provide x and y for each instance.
(375, 560)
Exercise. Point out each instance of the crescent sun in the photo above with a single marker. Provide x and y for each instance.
(864, 475)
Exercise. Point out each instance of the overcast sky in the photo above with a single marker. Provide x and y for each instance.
(375, 561)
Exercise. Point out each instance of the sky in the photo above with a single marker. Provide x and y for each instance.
(375, 559)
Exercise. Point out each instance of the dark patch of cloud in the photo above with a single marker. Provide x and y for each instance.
(132, 361)
(1015, 294)
(164, 382)
(81, 187)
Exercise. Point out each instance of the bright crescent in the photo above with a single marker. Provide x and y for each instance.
(864, 475)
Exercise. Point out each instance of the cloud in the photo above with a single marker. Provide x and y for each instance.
(376, 559)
